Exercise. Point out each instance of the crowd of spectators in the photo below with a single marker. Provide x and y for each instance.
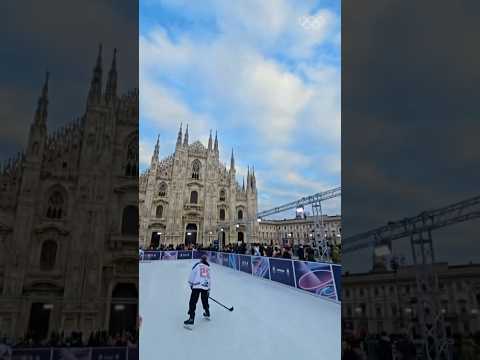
(301, 252)
(403, 347)
(74, 339)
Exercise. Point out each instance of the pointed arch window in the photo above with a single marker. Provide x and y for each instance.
(222, 195)
(194, 197)
(240, 214)
(130, 220)
(48, 255)
(131, 161)
(162, 191)
(56, 206)
(159, 211)
(222, 214)
(196, 165)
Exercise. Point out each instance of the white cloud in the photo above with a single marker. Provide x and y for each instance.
(259, 71)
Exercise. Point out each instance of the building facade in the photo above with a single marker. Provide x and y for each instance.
(299, 231)
(385, 300)
(190, 197)
(69, 219)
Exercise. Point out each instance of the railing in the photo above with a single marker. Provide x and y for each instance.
(58, 353)
(318, 278)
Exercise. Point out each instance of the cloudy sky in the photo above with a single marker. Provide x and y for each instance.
(264, 74)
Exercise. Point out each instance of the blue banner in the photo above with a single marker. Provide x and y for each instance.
(281, 270)
(184, 254)
(337, 275)
(35, 354)
(152, 255)
(316, 278)
(169, 255)
(109, 353)
(245, 263)
(233, 261)
(71, 353)
(260, 267)
(224, 259)
(213, 257)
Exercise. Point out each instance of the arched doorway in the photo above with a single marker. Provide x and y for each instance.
(123, 309)
(191, 234)
(222, 238)
(39, 321)
(155, 240)
(241, 236)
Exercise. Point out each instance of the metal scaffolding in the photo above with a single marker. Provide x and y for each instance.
(419, 230)
(316, 202)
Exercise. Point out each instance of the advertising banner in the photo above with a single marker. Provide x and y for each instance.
(198, 254)
(245, 263)
(213, 257)
(337, 276)
(316, 278)
(169, 255)
(233, 261)
(72, 353)
(152, 255)
(37, 354)
(112, 353)
(281, 270)
(224, 257)
(184, 254)
(260, 266)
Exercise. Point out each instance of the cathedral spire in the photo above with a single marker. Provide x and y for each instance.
(156, 151)
(95, 91)
(216, 143)
(111, 88)
(42, 105)
(210, 141)
(179, 136)
(185, 139)
(232, 162)
(243, 184)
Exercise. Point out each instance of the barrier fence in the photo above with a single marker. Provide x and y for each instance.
(320, 279)
(72, 353)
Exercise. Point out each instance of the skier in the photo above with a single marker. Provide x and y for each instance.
(200, 283)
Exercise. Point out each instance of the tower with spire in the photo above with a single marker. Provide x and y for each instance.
(194, 192)
(70, 189)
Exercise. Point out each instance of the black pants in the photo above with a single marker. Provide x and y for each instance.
(194, 299)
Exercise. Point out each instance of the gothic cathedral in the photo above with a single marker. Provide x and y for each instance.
(190, 197)
(69, 219)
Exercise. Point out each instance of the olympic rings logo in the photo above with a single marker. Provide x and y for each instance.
(311, 22)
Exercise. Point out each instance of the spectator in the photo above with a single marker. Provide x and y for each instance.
(301, 253)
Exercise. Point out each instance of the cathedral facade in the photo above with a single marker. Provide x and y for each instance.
(69, 219)
(190, 197)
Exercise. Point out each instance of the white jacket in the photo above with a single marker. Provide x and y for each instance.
(200, 277)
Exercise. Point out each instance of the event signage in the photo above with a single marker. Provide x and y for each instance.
(245, 263)
(318, 278)
(281, 270)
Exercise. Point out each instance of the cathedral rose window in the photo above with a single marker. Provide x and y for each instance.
(55, 208)
(162, 190)
(196, 169)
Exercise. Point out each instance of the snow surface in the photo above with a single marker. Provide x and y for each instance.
(270, 320)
